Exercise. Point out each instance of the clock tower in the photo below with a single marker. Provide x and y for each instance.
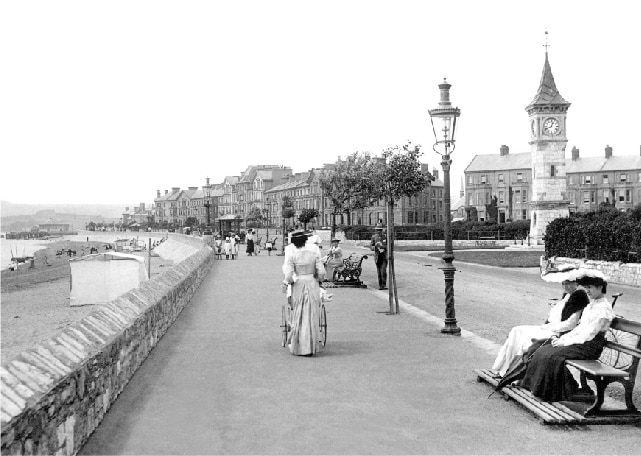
(548, 138)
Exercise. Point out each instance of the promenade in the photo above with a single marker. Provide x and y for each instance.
(219, 382)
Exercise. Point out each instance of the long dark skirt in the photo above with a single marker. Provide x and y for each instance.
(548, 378)
(250, 246)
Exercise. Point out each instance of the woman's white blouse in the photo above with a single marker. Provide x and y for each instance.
(596, 317)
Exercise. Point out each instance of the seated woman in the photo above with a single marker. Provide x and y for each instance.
(546, 376)
(563, 317)
(334, 260)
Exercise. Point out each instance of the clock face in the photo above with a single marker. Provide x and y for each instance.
(551, 126)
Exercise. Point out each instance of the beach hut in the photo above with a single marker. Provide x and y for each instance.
(102, 277)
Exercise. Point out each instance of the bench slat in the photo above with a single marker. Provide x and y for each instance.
(623, 349)
(597, 368)
(623, 324)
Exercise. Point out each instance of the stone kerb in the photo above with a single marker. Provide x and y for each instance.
(56, 393)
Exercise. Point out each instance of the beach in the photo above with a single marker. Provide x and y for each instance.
(35, 301)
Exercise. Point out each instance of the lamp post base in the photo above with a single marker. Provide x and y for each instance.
(450, 314)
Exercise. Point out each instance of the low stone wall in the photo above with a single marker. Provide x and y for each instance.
(55, 394)
(616, 272)
(457, 243)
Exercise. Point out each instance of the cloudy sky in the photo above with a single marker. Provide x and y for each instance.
(107, 102)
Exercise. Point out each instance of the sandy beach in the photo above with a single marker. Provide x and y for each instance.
(34, 303)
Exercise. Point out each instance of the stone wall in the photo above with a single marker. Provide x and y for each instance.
(55, 394)
(616, 272)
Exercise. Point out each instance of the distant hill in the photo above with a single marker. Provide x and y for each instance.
(21, 217)
(105, 210)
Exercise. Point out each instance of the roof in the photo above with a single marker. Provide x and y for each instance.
(458, 203)
(547, 94)
(287, 186)
(596, 164)
(493, 162)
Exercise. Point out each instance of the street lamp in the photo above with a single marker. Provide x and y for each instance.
(443, 119)
(207, 201)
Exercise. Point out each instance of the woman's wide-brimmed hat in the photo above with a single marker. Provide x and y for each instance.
(335, 240)
(571, 273)
(592, 277)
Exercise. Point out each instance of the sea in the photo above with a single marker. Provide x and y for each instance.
(19, 248)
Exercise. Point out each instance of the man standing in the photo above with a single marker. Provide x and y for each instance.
(379, 246)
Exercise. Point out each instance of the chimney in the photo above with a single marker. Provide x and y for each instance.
(193, 188)
(142, 206)
(175, 189)
(435, 173)
(166, 191)
(126, 208)
(575, 153)
(504, 150)
(608, 151)
(157, 193)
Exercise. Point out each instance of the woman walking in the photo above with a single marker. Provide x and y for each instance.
(250, 242)
(306, 265)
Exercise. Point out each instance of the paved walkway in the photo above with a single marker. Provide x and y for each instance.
(219, 382)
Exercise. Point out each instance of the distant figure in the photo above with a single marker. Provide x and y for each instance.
(250, 242)
(228, 248)
(379, 245)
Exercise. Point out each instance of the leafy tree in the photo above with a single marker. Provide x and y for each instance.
(340, 184)
(399, 173)
(255, 218)
(492, 210)
(191, 222)
(307, 215)
(91, 226)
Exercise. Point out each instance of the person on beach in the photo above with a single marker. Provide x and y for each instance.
(546, 375)
(303, 271)
(250, 242)
(563, 317)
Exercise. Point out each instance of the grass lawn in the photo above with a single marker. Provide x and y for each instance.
(500, 258)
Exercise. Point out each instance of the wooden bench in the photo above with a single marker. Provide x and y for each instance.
(618, 363)
(352, 268)
(486, 240)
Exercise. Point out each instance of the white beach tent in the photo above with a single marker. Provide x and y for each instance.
(102, 277)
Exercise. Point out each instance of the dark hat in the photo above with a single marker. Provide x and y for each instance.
(591, 280)
(335, 240)
(299, 234)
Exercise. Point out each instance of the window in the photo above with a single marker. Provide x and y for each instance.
(605, 179)
(587, 180)
(501, 197)
(524, 214)
(571, 180)
(552, 170)
(606, 195)
(586, 197)
(624, 178)
(470, 180)
(487, 198)
(517, 195)
(500, 178)
(519, 177)
(524, 193)
(483, 179)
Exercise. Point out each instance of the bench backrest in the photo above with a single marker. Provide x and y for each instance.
(628, 342)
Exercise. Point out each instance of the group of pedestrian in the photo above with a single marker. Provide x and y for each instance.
(227, 246)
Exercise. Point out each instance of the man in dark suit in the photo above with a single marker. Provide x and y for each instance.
(379, 246)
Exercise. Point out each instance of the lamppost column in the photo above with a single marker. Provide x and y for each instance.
(448, 256)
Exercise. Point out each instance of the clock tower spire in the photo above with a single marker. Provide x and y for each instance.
(547, 112)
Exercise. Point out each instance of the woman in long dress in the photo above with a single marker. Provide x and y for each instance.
(563, 317)
(249, 239)
(546, 376)
(306, 265)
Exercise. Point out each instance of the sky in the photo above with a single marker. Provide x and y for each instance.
(107, 102)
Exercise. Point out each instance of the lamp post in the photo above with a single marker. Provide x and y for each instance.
(207, 200)
(444, 116)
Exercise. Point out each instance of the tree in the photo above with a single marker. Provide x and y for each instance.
(399, 173)
(91, 226)
(340, 185)
(191, 222)
(492, 210)
(255, 218)
(307, 215)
